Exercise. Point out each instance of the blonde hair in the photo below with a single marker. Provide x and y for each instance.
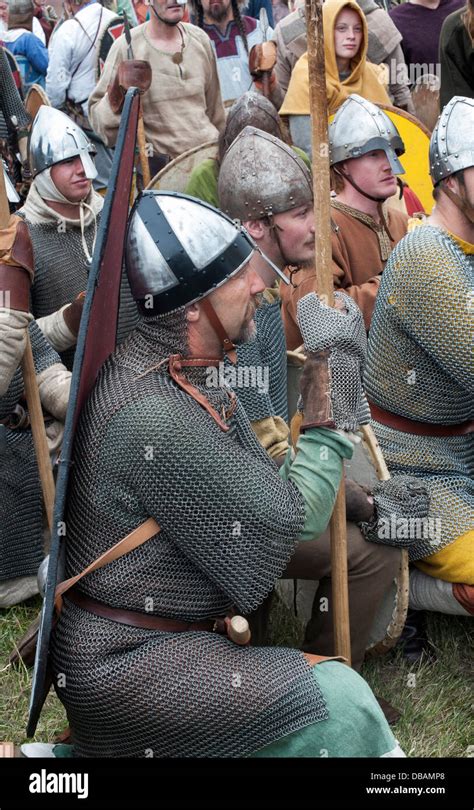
(468, 19)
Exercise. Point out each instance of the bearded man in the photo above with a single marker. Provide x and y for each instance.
(264, 184)
(157, 674)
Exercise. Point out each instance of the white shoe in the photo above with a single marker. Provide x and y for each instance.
(37, 750)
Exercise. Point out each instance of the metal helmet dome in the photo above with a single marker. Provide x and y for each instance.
(260, 175)
(178, 249)
(359, 127)
(54, 137)
(452, 141)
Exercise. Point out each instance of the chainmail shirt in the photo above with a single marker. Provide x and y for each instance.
(21, 542)
(61, 272)
(420, 366)
(229, 524)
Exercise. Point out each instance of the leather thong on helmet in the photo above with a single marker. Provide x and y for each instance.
(260, 176)
(359, 127)
(54, 137)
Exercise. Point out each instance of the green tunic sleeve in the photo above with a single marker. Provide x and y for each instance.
(316, 471)
(203, 182)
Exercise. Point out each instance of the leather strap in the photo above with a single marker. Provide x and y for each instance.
(419, 428)
(14, 288)
(133, 618)
(176, 363)
(136, 538)
(216, 324)
(318, 659)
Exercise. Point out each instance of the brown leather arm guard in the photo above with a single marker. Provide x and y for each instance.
(16, 265)
(131, 73)
(73, 313)
(315, 388)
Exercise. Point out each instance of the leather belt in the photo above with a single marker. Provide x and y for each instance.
(147, 621)
(420, 428)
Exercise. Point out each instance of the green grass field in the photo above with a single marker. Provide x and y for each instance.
(435, 698)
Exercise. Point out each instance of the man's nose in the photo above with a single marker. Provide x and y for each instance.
(256, 283)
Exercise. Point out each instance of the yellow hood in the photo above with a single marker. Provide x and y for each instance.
(365, 79)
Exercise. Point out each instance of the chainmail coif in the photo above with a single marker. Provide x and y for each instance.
(228, 527)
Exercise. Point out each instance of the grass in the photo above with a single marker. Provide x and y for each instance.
(435, 698)
(15, 683)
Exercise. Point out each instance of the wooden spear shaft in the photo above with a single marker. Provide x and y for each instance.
(32, 395)
(325, 289)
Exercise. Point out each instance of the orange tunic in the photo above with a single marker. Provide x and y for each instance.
(359, 252)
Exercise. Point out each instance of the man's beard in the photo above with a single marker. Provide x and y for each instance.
(248, 333)
(217, 13)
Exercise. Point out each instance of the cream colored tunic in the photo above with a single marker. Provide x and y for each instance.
(183, 107)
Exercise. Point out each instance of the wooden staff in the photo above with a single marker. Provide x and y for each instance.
(38, 430)
(141, 138)
(325, 289)
(32, 395)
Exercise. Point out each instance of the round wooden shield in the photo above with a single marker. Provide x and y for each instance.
(415, 161)
(36, 98)
(425, 95)
(175, 175)
(112, 31)
(391, 615)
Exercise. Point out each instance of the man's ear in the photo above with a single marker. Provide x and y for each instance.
(193, 312)
(256, 228)
(453, 182)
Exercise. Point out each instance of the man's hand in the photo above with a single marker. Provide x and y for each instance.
(335, 344)
(131, 73)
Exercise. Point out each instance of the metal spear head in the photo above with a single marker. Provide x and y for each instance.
(263, 17)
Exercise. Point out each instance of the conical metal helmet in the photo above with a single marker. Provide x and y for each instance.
(251, 109)
(179, 249)
(54, 138)
(260, 175)
(452, 141)
(360, 127)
